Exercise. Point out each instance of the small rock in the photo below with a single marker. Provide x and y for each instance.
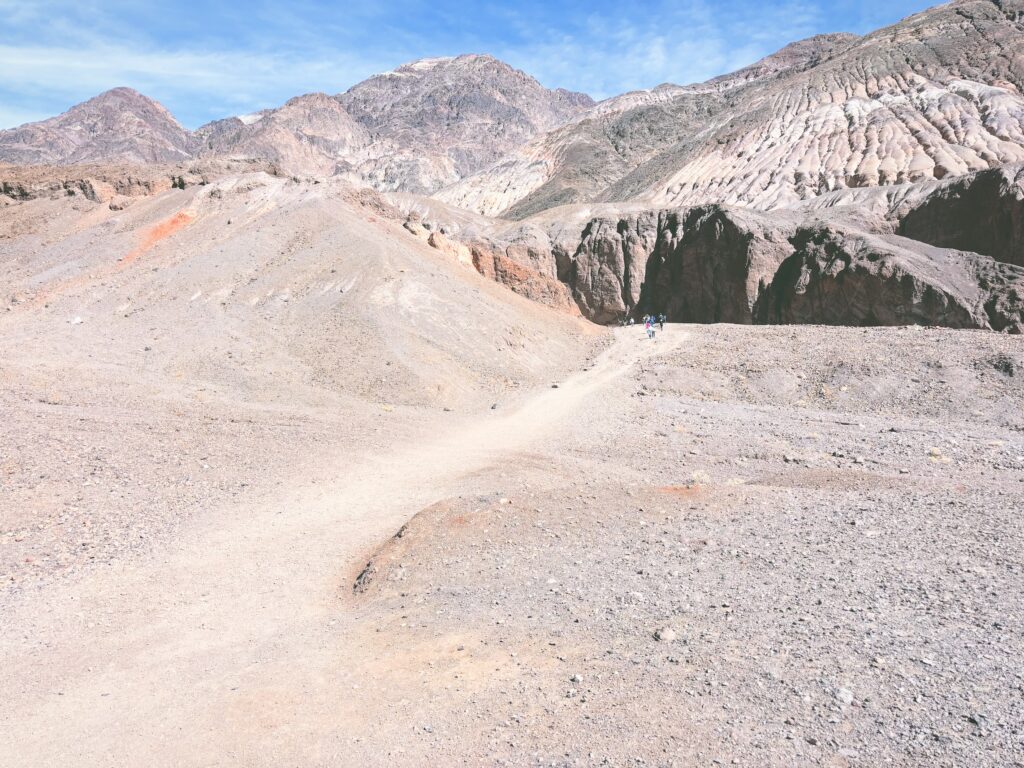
(665, 634)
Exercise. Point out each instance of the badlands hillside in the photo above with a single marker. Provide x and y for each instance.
(317, 449)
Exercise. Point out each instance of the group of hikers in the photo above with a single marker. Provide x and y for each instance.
(649, 322)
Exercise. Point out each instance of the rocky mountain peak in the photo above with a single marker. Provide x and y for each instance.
(120, 125)
(121, 95)
(441, 119)
(447, 87)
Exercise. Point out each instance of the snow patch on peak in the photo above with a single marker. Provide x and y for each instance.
(424, 64)
(420, 65)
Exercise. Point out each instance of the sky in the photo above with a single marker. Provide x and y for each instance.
(210, 59)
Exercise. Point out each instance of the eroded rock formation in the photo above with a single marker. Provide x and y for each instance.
(837, 277)
(937, 95)
(982, 212)
(713, 263)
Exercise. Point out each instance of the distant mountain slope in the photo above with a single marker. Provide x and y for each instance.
(120, 125)
(312, 133)
(435, 121)
(938, 94)
(425, 125)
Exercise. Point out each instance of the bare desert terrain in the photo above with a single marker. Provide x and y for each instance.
(326, 438)
(284, 485)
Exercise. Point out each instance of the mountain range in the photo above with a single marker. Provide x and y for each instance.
(914, 132)
(423, 126)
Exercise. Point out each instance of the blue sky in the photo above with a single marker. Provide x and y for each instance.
(205, 60)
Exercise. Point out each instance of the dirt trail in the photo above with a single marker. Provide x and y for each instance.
(236, 645)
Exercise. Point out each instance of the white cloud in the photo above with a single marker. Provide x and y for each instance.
(679, 42)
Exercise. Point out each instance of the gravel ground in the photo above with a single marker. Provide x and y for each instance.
(767, 555)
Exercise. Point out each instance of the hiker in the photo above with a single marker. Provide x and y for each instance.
(661, 321)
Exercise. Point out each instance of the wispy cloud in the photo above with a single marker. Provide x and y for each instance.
(210, 59)
(235, 79)
(680, 42)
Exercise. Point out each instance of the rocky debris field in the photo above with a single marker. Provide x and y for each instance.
(778, 546)
(94, 482)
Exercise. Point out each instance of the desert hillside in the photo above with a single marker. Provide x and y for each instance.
(334, 436)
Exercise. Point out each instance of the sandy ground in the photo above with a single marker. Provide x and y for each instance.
(376, 532)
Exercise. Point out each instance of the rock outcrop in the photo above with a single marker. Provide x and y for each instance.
(713, 264)
(983, 212)
(837, 277)
(497, 265)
